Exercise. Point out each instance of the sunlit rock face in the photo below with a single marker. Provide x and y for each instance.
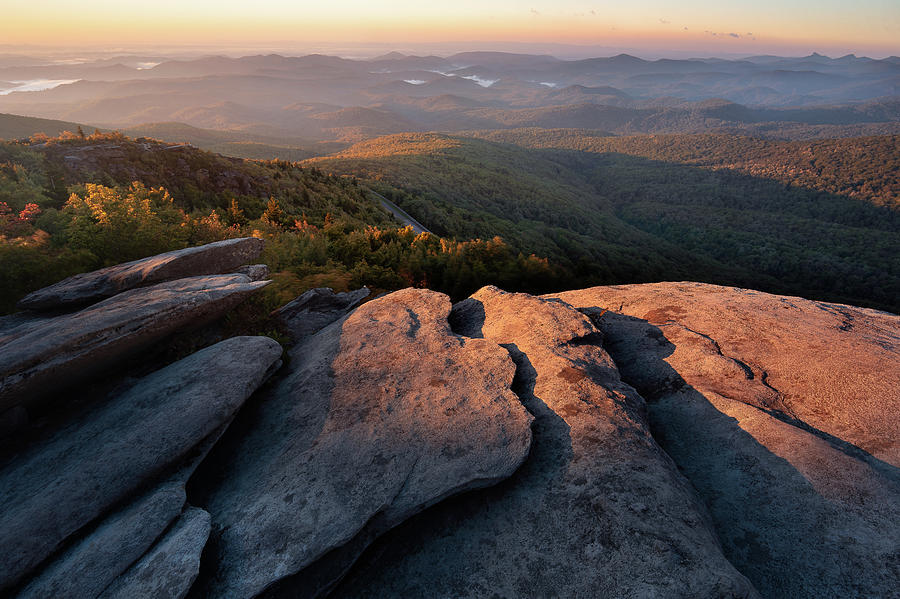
(782, 412)
(598, 509)
(383, 413)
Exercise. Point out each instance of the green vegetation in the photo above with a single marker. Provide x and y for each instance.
(571, 209)
(818, 219)
(862, 168)
(76, 203)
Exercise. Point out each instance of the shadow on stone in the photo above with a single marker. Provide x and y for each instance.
(792, 534)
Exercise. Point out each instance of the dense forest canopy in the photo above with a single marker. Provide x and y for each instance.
(817, 218)
(863, 168)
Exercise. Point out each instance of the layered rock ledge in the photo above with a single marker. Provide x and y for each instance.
(79, 290)
(659, 440)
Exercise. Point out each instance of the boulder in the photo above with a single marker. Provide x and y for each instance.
(42, 356)
(86, 288)
(170, 567)
(88, 567)
(256, 272)
(384, 413)
(782, 413)
(56, 487)
(597, 510)
(317, 308)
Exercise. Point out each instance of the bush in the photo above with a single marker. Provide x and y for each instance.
(122, 224)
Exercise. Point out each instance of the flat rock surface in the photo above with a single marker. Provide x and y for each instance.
(54, 488)
(170, 567)
(41, 356)
(384, 413)
(85, 288)
(597, 510)
(87, 568)
(783, 414)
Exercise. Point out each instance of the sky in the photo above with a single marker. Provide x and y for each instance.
(866, 27)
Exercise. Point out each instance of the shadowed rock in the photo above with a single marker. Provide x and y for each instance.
(385, 413)
(85, 288)
(92, 564)
(256, 272)
(53, 489)
(782, 413)
(317, 308)
(44, 355)
(597, 510)
(170, 567)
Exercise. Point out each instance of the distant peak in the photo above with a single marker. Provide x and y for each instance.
(625, 57)
(391, 56)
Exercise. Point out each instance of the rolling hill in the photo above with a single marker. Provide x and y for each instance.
(660, 208)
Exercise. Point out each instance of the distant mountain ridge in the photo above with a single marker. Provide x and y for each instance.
(252, 92)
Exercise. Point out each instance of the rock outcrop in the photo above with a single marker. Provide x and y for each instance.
(86, 288)
(831, 366)
(597, 510)
(662, 440)
(41, 355)
(317, 308)
(256, 272)
(782, 412)
(56, 487)
(383, 414)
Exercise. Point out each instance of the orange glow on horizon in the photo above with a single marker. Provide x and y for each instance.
(103, 22)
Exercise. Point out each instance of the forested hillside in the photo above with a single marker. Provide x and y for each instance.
(863, 168)
(809, 218)
(72, 204)
(536, 210)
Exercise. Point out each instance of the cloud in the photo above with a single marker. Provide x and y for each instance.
(730, 34)
(535, 12)
(664, 21)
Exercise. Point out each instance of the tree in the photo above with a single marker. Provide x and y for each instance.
(273, 214)
(234, 215)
